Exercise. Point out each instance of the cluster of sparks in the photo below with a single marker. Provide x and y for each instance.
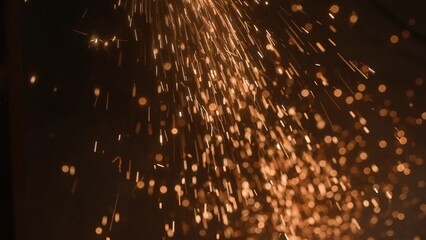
(245, 142)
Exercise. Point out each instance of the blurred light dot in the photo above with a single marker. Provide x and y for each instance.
(358, 96)
(104, 220)
(308, 27)
(140, 184)
(337, 93)
(72, 170)
(363, 155)
(194, 167)
(142, 101)
(167, 66)
(296, 7)
(382, 88)
(212, 107)
(365, 69)
(349, 100)
(400, 133)
(98, 230)
(366, 171)
(334, 9)
(374, 168)
(279, 70)
(305, 92)
(353, 18)
(163, 189)
(97, 91)
(33, 79)
(394, 39)
(65, 168)
(405, 34)
(159, 157)
(361, 87)
(185, 203)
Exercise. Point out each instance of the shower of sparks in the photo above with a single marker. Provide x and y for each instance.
(254, 136)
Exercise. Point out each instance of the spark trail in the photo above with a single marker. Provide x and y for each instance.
(247, 146)
(248, 165)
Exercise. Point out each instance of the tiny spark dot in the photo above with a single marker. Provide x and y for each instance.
(159, 157)
(394, 39)
(382, 88)
(97, 91)
(33, 79)
(98, 230)
(353, 18)
(65, 168)
(163, 189)
(167, 66)
(334, 9)
(142, 101)
(140, 184)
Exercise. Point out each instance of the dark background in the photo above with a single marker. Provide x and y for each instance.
(50, 129)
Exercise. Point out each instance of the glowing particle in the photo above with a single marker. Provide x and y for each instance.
(212, 107)
(383, 144)
(337, 92)
(167, 66)
(142, 101)
(140, 185)
(334, 9)
(305, 93)
(97, 91)
(296, 7)
(353, 18)
(279, 70)
(163, 189)
(394, 39)
(382, 88)
(361, 87)
(65, 168)
(33, 79)
(98, 230)
(104, 220)
(406, 34)
(159, 157)
(72, 170)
